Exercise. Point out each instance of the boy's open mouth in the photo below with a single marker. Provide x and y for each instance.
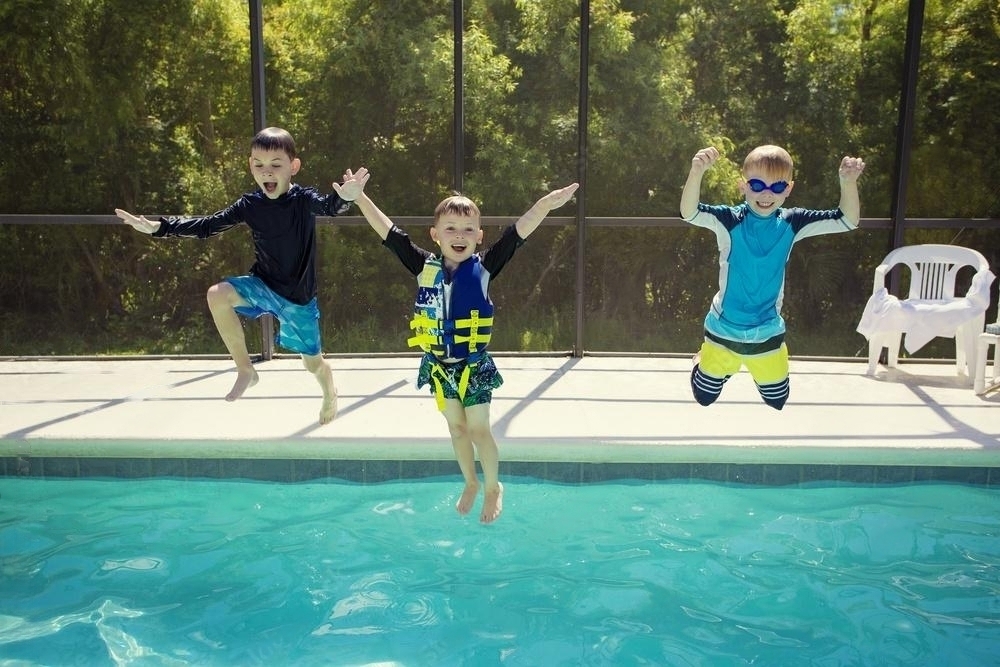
(459, 247)
(765, 205)
(270, 187)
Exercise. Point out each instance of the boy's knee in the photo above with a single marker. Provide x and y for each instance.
(220, 293)
(705, 388)
(703, 398)
(480, 433)
(776, 403)
(458, 430)
(775, 394)
(313, 362)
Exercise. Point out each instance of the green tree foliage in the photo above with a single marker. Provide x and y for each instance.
(110, 105)
(959, 123)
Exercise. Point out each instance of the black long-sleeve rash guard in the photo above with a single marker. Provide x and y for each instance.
(284, 235)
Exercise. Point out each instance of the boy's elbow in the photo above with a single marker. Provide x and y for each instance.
(688, 207)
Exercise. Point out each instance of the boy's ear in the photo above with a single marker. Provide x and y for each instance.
(296, 165)
(479, 236)
(434, 234)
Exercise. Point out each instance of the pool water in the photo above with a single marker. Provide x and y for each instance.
(171, 572)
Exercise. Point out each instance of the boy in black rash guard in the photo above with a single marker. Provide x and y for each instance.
(453, 321)
(282, 280)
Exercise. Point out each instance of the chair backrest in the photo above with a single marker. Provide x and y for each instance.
(933, 267)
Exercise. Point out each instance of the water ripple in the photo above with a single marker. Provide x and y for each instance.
(156, 572)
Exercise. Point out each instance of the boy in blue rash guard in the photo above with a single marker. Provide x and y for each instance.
(453, 320)
(282, 281)
(744, 325)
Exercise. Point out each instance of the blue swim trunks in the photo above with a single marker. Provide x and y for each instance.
(298, 326)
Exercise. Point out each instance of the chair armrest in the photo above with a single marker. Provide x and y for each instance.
(880, 272)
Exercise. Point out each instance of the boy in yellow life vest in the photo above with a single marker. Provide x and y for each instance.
(453, 322)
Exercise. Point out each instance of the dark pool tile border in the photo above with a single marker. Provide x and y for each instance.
(857, 474)
(377, 471)
(977, 476)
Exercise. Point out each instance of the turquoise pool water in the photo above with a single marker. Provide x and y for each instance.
(161, 572)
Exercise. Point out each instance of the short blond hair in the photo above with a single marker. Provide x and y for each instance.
(772, 160)
(457, 205)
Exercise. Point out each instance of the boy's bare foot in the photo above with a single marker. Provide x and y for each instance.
(467, 499)
(492, 504)
(244, 380)
(329, 409)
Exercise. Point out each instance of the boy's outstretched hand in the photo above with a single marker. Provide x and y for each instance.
(353, 185)
(528, 222)
(557, 198)
(138, 222)
(851, 167)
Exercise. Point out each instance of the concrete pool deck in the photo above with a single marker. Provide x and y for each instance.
(595, 409)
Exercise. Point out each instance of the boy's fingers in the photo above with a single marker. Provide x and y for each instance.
(852, 165)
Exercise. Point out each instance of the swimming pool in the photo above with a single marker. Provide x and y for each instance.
(213, 572)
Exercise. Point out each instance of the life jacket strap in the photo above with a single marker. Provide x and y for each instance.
(423, 338)
(473, 324)
(427, 341)
(439, 376)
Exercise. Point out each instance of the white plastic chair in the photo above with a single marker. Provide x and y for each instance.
(990, 337)
(933, 268)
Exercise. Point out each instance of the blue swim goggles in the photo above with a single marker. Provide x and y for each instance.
(758, 185)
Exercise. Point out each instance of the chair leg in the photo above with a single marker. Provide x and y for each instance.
(979, 384)
(962, 357)
(892, 350)
(875, 345)
(966, 346)
(975, 328)
(971, 353)
(890, 342)
(996, 358)
(985, 341)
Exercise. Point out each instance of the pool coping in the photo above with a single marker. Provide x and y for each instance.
(558, 418)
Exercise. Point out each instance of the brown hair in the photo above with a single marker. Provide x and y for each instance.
(274, 138)
(457, 205)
